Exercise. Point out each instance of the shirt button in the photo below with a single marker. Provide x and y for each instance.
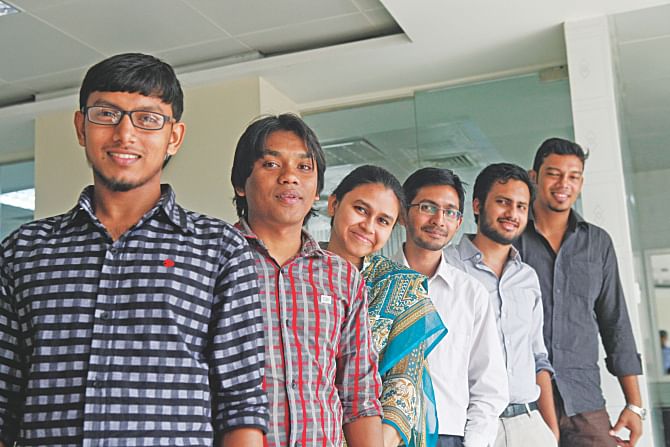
(104, 315)
(294, 384)
(97, 384)
(558, 290)
(288, 322)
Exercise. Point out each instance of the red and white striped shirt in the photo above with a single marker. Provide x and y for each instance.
(321, 366)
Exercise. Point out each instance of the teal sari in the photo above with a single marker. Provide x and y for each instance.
(405, 327)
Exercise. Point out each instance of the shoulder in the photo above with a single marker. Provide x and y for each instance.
(467, 285)
(41, 230)
(381, 268)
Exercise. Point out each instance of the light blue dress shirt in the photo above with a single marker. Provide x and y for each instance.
(517, 304)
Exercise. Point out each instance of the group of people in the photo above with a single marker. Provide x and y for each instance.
(131, 321)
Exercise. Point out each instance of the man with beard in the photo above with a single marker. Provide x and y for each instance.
(502, 195)
(129, 320)
(583, 298)
(467, 367)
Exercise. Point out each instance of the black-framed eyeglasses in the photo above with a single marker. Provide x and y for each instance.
(430, 209)
(111, 116)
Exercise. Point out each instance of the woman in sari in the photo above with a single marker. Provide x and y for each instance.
(405, 325)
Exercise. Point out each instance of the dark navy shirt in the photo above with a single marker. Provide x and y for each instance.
(582, 297)
(153, 339)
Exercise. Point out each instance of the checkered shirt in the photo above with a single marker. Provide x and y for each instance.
(321, 366)
(152, 339)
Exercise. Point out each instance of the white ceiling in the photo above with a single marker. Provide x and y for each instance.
(318, 52)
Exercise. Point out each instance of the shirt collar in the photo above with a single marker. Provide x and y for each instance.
(574, 220)
(166, 204)
(309, 247)
(469, 251)
(444, 270)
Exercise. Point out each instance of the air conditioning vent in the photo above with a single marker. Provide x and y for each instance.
(453, 161)
(355, 152)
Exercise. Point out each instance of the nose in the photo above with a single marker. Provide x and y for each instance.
(439, 218)
(288, 175)
(367, 224)
(124, 132)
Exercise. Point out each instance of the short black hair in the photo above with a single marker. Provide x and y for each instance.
(368, 174)
(434, 177)
(251, 147)
(557, 146)
(500, 173)
(134, 73)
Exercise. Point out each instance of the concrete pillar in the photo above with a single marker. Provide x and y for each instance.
(215, 117)
(593, 91)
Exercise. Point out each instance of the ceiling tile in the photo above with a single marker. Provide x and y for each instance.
(364, 5)
(203, 52)
(314, 34)
(382, 20)
(38, 5)
(65, 80)
(128, 25)
(49, 50)
(245, 16)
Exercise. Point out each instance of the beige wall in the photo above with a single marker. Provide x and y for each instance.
(215, 117)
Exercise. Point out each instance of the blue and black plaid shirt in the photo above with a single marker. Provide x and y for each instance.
(153, 339)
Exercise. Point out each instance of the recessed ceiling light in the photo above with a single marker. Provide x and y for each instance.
(7, 9)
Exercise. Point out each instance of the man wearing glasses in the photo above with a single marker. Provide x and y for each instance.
(129, 320)
(501, 198)
(467, 367)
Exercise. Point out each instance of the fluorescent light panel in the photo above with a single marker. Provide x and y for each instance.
(24, 198)
(7, 9)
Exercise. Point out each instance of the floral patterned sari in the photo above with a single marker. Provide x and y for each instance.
(405, 327)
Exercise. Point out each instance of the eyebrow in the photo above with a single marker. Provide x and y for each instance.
(509, 199)
(551, 168)
(449, 204)
(144, 108)
(274, 153)
(364, 203)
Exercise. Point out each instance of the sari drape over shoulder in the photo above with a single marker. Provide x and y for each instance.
(405, 327)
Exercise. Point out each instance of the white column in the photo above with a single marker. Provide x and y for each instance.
(596, 124)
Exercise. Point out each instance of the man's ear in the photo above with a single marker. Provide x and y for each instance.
(533, 176)
(332, 205)
(475, 206)
(79, 127)
(176, 137)
(240, 191)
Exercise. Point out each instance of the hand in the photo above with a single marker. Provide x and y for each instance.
(631, 421)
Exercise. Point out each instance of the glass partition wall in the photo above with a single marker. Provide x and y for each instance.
(463, 128)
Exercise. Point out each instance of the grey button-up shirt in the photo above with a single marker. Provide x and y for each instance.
(517, 304)
(582, 297)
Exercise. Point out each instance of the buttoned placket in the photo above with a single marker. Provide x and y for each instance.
(98, 376)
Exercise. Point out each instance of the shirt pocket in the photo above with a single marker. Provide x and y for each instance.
(519, 306)
(585, 279)
(584, 282)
